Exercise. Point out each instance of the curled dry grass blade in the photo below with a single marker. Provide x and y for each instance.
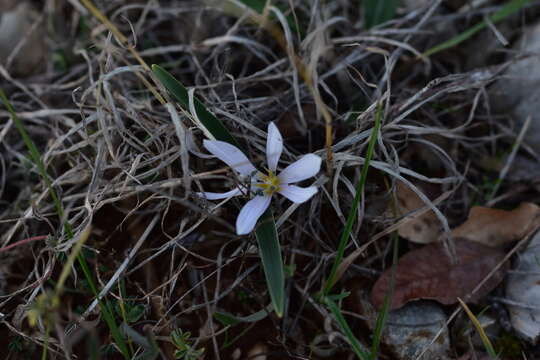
(35, 156)
(36, 159)
(124, 41)
(235, 8)
(266, 233)
(140, 161)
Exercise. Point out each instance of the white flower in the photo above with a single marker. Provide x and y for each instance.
(263, 186)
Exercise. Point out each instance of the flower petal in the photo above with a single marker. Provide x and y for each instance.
(303, 168)
(274, 146)
(297, 194)
(218, 196)
(250, 213)
(230, 155)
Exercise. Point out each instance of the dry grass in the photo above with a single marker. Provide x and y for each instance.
(128, 165)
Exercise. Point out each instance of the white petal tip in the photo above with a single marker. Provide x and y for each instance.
(250, 213)
(274, 146)
(242, 231)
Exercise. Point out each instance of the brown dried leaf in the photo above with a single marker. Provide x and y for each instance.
(495, 227)
(427, 273)
(424, 228)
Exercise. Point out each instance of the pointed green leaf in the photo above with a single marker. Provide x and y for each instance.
(180, 93)
(378, 11)
(270, 252)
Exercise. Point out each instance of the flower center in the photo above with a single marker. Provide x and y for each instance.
(270, 183)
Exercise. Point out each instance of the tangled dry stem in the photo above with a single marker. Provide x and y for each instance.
(113, 150)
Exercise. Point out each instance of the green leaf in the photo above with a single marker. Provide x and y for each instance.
(270, 252)
(135, 313)
(226, 319)
(339, 297)
(353, 341)
(229, 319)
(266, 232)
(507, 10)
(257, 5)
(15, 345)
(378, 11)
(180, 93)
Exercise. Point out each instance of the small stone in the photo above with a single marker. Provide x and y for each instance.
(236, 354)
(413, 327)
(16, 25)
(258, 352)
(516, 90)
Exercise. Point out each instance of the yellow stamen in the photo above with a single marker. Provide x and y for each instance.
(270, 183)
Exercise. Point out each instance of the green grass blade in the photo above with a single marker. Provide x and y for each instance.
(353, 341)
(483, 336)
(35, 156)
(378, 11)
(507, 10)
(270, 250)
(383, 314)
(352, 214)
(180, 93)
(105, 310)
(379, 327)
(257, 5)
